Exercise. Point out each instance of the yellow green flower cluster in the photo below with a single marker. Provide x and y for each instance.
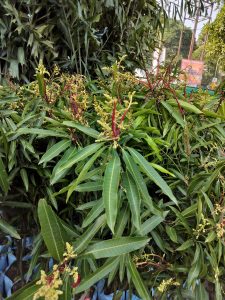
(165, 284)
(201, 228)
(50, 285)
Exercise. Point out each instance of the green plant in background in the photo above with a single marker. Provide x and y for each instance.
(171, 40)
(81, 36)
(132, 176)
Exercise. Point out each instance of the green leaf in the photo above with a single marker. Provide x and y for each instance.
(89, 187)
(35, 254)
(96, 210)
(83, 173)
(5, 227)
(154, 146)
(116, 246)
(122, 220)
(161, 169)
(185, 245)
(194, 273)
(66, 156)
(110, 190)
(4, 181)
(23, 174)
(211, 236)
(81, 243)
(200, 292)
(139, 180)
(25, 293)
(171, 233)
(54, 151)
(152, 174)
(41, 132)
(137, 281)
(185, 105)
(174, 113)
(51, 230)
(218, 289)
(80, 155)
(87, 130)
(99, 274)
(158, 240)
(152, 223)
(133, 199)
(66, 288)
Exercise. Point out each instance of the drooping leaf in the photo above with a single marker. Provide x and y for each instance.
(83, 173)
(152, 174)
(8, 229)
(174, 113)
(81, 243)
(96, 210)
(110, 190)
(4, 181)
(137, 280)
(134, 199)
(79, 156)
(139, 180)
(24, 176)
(51, 230)
(152, 223)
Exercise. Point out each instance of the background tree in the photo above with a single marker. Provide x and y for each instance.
(171, 38)
(215, 45)
(78, 35)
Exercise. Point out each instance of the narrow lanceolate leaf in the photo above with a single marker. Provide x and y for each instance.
(4, 183)
(152, 174)
(174, 113)
(25, 293)
(54, 151)
(89, 187)
(87, 130)
(41, 132)
(137, 280)
(83, 172)
(116, 247)
(87, 236)
(99, 274)
(194, 273)
(80, 155)
(6, 228)
(152, 223)
(24, 176)
(51, 230)
(96, 210)
(110, 190)
(134, 199)
(138, 178)
(66, 156)
(185, 105)
(66, 288)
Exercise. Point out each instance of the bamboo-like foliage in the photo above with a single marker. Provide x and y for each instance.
(78, 35)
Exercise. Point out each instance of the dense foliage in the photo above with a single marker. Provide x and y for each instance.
(130, 173)
(79, 35)
(215, 45)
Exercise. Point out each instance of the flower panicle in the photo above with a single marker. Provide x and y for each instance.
(51, 285)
